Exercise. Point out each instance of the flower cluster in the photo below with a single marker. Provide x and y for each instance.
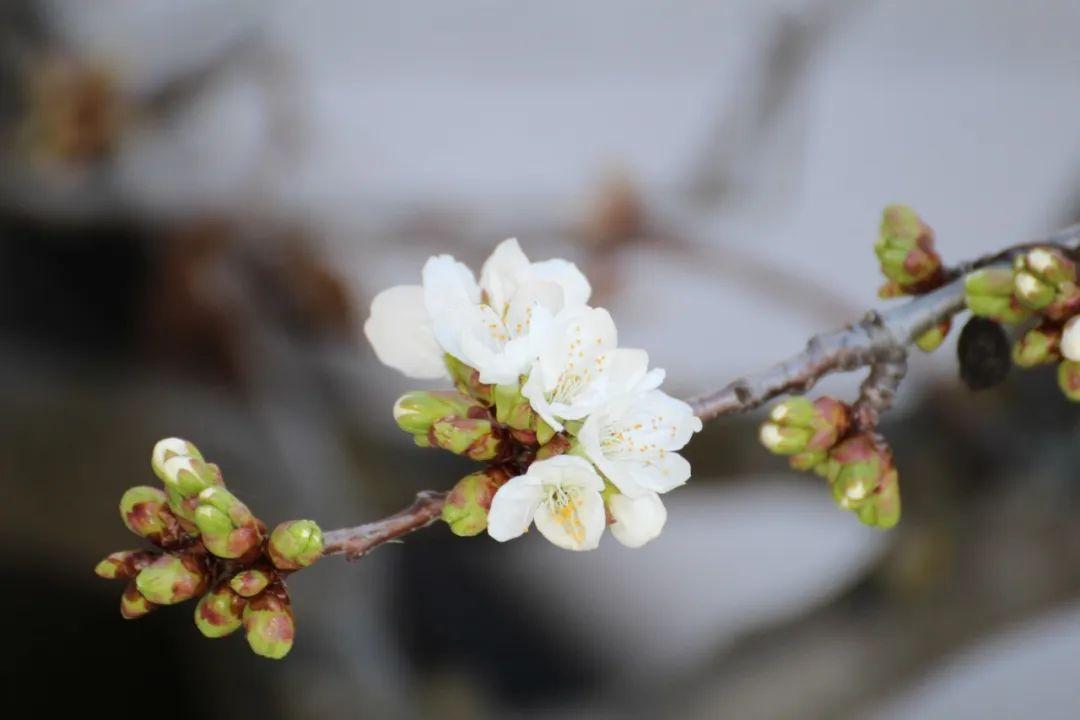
(1041, 291)
(575, 431)
(209, 544)
(819, 436)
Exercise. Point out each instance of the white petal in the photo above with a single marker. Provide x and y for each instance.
(637, 520)
(400, 331)
(1070, 339)
(657, 474)
(450, 292)
(575, 287)
(513, 507)
(567, 470)
(503, 272)
(577, 526)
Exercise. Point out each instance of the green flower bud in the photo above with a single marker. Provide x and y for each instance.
(171, 579)
(268, 623)
(1044, 276)
(856, 468)
(124, 565)
(145, 512)
(557, 445)
(417, 411)
(798, 425)
(931, 340)
(228, 528)
(251, 582)
(988, 293)
(808, 460)
(295, 544)
(475, 439)
(882, 508)
(467, 380)
(184, 479)
(905, 249)
(220, 612)
(132, 603)
(467, 505)
(1069, 379)
(1039, 346)
(170, 448)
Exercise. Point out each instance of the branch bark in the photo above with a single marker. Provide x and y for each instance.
(358, 541)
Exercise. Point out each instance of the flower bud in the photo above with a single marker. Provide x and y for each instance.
(184, 479)
(931, 340)
(467, 505)
(295, 544)
(417, 411)
(268, 623)
(988, 293)
(798, 425)
(1069, 379)
(1038, 346)
(124, 565)
(171, 579)
(467, 380)
(220, 612)
(856, 468)
(251, 582)
(882, 508)
(228, 528)
(905, 249)
(145, 512)
(1044, 276)
(475, 439)
(132, 603)
(1070, 339)
(169, 448)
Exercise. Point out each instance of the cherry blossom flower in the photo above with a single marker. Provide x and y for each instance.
(636, 520)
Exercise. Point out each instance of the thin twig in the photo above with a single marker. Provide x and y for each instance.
(358, 541)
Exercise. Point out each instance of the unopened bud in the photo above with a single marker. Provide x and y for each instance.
(295, 544)
(251, 582)
(882, 508)
(1069, 379)
(931, 340)
(170, 448)
(988, 293)
(856, 468)
(124, 565)
(220, 612)
(1038, 346)
(467, 505)
(417, 411)
(268, 623)
(132, 603)
(798, 425)
(145, 512)
(476, 439)
(171, 579)
(227, 527)
(905, 249)
(467, 380)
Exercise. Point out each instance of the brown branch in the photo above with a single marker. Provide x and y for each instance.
(878, 341)
(355, 542)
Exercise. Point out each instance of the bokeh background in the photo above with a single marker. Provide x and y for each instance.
(198, 201)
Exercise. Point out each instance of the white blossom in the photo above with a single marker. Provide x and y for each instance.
(635, 439)
(561, 495)
(495, 326)
(1070, 339)
(636, 520)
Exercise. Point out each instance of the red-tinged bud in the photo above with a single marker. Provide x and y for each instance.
(1069, 379)
(228, 528)
(798, 425)
(475, 439)
(184, 479)
(220, 612)
(856, 468)
(467, 380)
(132, 603)
(295, 544)
(415, 412)
(171, 579)
(145, 511)
(268, 623)
(988, 293)
(124, 565)
(931, 340)
(1038, 346)
(467, 505)
(905, 249)
(251, 582)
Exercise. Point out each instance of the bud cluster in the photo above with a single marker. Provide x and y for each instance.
(209, 544)
(493, 424)
(818, 436)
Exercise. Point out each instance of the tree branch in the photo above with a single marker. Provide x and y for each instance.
(878, 341)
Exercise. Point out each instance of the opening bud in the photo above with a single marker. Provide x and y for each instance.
(170, 448)
(220, 612)
(798, 425)
(184, 479)
(295, 544)
(857, 468)
(467, 505)
(228, 528)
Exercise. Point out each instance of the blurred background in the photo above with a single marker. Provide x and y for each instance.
(198, 201)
